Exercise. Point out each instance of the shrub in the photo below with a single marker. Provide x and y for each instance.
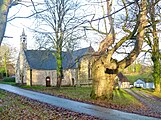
(2, 72)
(9, 79)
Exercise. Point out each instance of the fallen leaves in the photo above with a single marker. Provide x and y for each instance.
(139, 108)
(14, 107)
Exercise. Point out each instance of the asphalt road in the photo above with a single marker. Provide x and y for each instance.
(97, 111)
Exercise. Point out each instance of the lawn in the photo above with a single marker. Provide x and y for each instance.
(82, 93)
(121, 98)
(10, 83)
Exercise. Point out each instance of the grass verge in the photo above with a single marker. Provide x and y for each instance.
(121, 97)
(9, 83)
(150, 91)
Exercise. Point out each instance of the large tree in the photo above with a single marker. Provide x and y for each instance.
(58, 28)
(152, 39)
(105, 67)
(4, 9)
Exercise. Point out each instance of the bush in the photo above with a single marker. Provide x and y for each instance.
(2, 72)
(9, 79)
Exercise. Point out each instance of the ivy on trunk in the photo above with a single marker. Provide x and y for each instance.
(104, 67)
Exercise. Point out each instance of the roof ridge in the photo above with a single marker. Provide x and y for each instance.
(44, 59)
(55, 50)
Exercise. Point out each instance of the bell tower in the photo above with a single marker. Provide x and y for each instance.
(22, 59)
(23, 41)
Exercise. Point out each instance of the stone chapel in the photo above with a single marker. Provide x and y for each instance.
(38, 67)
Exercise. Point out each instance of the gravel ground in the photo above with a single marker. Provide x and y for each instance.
(152, 103)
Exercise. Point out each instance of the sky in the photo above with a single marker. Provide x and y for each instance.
(15, 27)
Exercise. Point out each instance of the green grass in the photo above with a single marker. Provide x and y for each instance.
(121, 97)
(151, 92)
(77, 92)
(156, 94)
(10, 83)
(133, 77)
(33, 87)
(71, 92)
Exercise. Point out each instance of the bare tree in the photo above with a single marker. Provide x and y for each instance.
(105, 67)
(7, 55)
(59, 28)
(5, 6)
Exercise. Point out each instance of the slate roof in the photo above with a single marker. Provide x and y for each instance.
(122, 77)
(45, 60)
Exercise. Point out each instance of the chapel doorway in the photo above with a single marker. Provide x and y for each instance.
(48, 84)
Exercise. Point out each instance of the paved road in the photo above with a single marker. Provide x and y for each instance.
(152, 102)
(97, 111)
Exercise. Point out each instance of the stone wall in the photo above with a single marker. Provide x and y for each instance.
(21, 68)
(39, 77)
(17, 71)
(125, 85)
(68, 75)
(79, 75)
(84, 70)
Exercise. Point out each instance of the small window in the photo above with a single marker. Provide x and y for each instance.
(89, 70)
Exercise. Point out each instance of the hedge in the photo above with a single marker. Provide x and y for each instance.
(9, 79)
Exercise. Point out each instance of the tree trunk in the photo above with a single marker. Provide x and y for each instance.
(58, 85)
(5, 64)
(103, 81)
(155, 49)
(104, 67)
(4, 9)
(59, 68)
(156, 71)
